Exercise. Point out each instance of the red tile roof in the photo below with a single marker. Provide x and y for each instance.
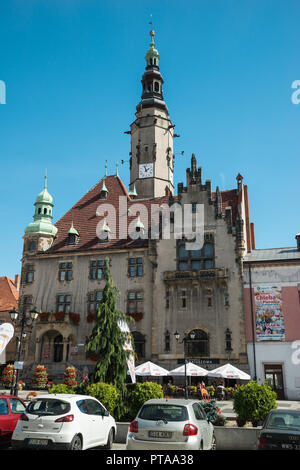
(85, 218)
(9, 295)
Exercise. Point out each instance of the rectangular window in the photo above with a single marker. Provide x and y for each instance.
(65, 272)
(167, 298)
(64, 303)
(94, 299)
(97, 269)
(183, 297)
(29, 273)
(135, 267)
(194, 260)
(135, 302)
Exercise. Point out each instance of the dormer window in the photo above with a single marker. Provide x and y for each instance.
(71, 239)
(104, 191)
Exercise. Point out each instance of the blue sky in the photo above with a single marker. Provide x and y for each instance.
(72, 70)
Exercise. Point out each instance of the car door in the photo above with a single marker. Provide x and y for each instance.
(85, 422)
(203, 426)
(5, 417)
(99, 422)
(17, 407)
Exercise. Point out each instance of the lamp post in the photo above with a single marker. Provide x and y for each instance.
(21, 320)
(185, 339)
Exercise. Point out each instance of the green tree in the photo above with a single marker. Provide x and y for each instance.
(252, 402)
(107, 340)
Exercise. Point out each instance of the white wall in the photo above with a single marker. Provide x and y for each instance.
(278, 353)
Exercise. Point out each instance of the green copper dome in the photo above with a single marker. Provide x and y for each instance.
(42, 223)
(152, 56)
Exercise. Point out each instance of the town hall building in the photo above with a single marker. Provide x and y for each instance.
(164, 286)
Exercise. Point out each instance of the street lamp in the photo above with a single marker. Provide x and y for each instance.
(185, 339)
(23, 321)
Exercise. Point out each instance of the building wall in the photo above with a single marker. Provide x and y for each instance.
(284, 353)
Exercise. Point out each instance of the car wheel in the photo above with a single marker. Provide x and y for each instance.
(76, 443)
(213, 443)
(110, 440)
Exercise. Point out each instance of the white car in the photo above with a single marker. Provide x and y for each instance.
(171, 424)
(66, 421)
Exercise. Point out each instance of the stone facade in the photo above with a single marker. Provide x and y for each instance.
(163, 286)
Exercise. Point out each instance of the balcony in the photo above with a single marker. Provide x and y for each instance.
(59, 317)
(199, 275)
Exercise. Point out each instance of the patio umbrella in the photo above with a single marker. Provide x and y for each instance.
(150, 369)
(228, 371)
(191, 370)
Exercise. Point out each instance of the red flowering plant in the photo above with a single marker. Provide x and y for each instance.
(70, 376)
(59, 316)
(7, 375)
(91, 317)
(137, 316)
(40, 377)
(74, 317)
(43, 316)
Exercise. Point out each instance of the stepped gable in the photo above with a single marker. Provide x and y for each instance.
(9, 294)
(83, 217)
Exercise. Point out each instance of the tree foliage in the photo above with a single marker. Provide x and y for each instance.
(107, 339)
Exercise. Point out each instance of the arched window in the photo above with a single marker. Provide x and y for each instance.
(40, 210)
(58, 349)
(139, 343)
(156, 87)
(45, 211)
(199, 346)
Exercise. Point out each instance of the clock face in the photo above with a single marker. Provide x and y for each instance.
(146, 170)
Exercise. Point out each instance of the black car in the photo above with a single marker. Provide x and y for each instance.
(281, 430)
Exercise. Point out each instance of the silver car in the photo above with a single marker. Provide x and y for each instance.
(171, 424)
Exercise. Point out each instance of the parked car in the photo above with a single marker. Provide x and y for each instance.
(171, 424)
(11, 408)
(67, 421)
(281, 430)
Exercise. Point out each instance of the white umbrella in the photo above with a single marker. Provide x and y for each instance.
(228, 371)
(191, 370)
(148, 368)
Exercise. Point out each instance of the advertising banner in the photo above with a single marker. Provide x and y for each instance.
(128, 347)
(6, 334)
(269, 315)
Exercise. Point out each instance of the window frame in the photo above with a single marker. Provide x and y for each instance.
(65, 267)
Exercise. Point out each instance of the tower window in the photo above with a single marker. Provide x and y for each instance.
(156, 87)
(40, 210)
(29, 273)
(45, 211)
(32, 246)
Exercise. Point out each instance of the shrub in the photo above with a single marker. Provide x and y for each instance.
(70, 376)
(141, 393)
(7, 375)
(40, 377)
(62, 388)
(106, 393)
(252, 402)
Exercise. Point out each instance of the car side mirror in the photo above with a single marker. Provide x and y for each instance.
(105, 413)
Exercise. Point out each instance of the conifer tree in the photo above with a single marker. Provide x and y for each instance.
(107, 339)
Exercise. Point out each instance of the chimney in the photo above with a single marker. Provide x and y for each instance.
(298, 241)
(17, 281)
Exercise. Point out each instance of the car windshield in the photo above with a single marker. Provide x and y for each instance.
(46, 406)
(287, 420)
(168, 413)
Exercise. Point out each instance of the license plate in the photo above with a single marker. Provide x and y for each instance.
(38, 442)
(164, 434)
(290, 446)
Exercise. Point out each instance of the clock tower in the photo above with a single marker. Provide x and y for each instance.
(151, 162)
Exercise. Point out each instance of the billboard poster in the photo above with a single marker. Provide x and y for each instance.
(128, 347)
(269, 315)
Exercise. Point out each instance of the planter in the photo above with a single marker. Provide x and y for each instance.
(74, 317)
(59, 316)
